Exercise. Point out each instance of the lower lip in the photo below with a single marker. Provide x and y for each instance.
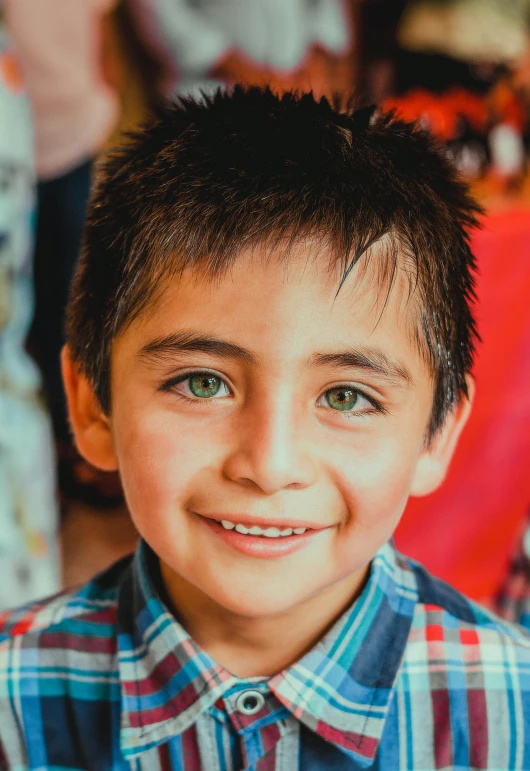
(261, 546)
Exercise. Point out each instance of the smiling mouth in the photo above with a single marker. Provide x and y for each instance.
(269, 529)
(270, 539)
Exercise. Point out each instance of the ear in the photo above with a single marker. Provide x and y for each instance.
(90, 426)
(434, 461)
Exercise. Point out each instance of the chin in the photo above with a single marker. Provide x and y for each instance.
(254, 605)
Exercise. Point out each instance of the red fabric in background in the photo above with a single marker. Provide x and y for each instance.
(465, 532)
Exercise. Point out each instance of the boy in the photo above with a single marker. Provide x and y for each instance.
(270, 336)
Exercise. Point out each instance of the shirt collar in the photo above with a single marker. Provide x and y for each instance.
(341, 689)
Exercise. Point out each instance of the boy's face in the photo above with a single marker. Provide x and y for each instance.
(308, 410)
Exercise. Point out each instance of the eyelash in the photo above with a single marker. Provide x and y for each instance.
(169, 387)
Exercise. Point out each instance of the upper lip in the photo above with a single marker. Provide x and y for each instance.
(244, 519)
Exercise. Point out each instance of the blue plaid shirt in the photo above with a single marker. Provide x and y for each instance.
(412, 676)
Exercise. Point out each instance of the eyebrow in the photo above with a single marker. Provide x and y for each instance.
(373, 360)
(163, 348)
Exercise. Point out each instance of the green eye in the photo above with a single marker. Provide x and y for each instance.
(342, 398)
(204, 385)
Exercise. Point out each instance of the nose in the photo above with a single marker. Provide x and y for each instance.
(271, 453)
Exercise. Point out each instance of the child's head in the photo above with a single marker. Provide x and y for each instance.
(271, 324)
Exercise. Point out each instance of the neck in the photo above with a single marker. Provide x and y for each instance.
(263, 646)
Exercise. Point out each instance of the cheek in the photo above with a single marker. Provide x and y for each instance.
(158, 460)
(376, 491)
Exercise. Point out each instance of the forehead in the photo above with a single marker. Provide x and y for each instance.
(287, 307)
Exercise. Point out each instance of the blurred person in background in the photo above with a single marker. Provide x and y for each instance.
(58, 44)
(202, 46)
(28, 511)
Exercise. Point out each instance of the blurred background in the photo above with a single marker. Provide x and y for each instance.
(75, 74)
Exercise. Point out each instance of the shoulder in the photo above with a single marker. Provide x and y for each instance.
(464, 684)
(458, 634)
(58, 657)
(81, 614)
(453, 610)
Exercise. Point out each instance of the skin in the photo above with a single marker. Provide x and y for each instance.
(268, 444)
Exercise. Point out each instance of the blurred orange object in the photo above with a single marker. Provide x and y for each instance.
(437, 114)
(465, 532)
(470, 106)
(10, 72)
(506, 105)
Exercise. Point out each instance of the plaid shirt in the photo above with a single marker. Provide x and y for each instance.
(412, 676)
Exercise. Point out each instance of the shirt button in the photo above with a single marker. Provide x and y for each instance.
(249, 702)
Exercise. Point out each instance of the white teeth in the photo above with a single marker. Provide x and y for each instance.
(270, 532)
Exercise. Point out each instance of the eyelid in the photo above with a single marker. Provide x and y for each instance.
(375, 405)
(169, 385)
